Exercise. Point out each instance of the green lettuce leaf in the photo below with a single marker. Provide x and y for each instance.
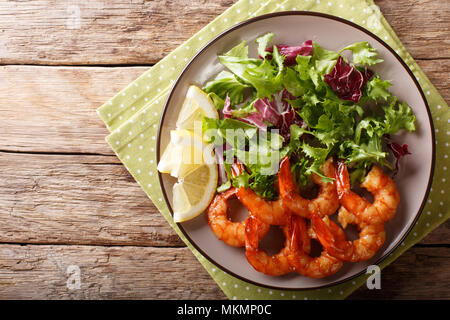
(263, 43)
(378, 89)
(399, 116)
(323, 60)
(219, 103)
(363, 54)
(264, 185)
(318, 157)
(227, 83)
(265, 76)
(293, 83)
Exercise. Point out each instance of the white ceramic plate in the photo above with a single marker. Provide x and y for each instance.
(293, 28)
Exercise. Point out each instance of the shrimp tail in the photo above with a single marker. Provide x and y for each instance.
(342, 179)
(299, 235)
(288, 188)
(332, 238)
(237, 169)
(321, 230)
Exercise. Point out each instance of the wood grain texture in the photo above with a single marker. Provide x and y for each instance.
(143, 32)
(422, 26)
(100, 32)
(42, 272)
(420, 273)
(59, 104)
(76, 199)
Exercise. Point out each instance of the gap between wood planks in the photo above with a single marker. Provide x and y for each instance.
(125, 65)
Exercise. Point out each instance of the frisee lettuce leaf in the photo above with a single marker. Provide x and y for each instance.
(378, 89)
(363, 53)
(398, 116)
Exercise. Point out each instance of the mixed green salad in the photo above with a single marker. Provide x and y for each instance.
(305, 102)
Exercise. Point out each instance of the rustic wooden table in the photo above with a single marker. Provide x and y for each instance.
(69, 206)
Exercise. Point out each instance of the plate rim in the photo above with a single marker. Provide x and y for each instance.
(341, 20)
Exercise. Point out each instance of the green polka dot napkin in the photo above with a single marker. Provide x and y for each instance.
(132, 117)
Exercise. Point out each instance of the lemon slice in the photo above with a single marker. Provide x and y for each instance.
(183, 154)
(167, 162)
(195, 105)
(193, 193)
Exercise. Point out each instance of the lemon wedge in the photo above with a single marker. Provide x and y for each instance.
(183, 154)
(192, 195)
(193, 162)
(195, 105)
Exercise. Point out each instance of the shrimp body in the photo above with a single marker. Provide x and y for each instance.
(232, 233)
(317, 267)
(383, 188)
(371, 236)
(269, 212)
(274, 265)
(326, 203)
(333, 239)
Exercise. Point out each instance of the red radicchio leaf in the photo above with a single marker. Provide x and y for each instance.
(279, 112)
(268, 110)
(226, 111)
(367, 75)
(291, 53)
(347, 81)
(399, 151)
(288, 116)
(254, 118)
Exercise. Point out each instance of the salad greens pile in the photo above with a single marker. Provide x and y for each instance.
(305, 102)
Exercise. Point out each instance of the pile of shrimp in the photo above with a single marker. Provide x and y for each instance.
(304, 219)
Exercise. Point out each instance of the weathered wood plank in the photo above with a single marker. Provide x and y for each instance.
(76, 199)
(421, 25)
(52, 109)
(43, 272)
(142, 32)
(100, 32)
(440, 235)
(420, 273)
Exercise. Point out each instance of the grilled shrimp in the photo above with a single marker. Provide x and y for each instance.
(317, 267)
(383, 188)
(269, 212)
(232, 233)
(326, 203)
(333, 239)
(275, 265)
